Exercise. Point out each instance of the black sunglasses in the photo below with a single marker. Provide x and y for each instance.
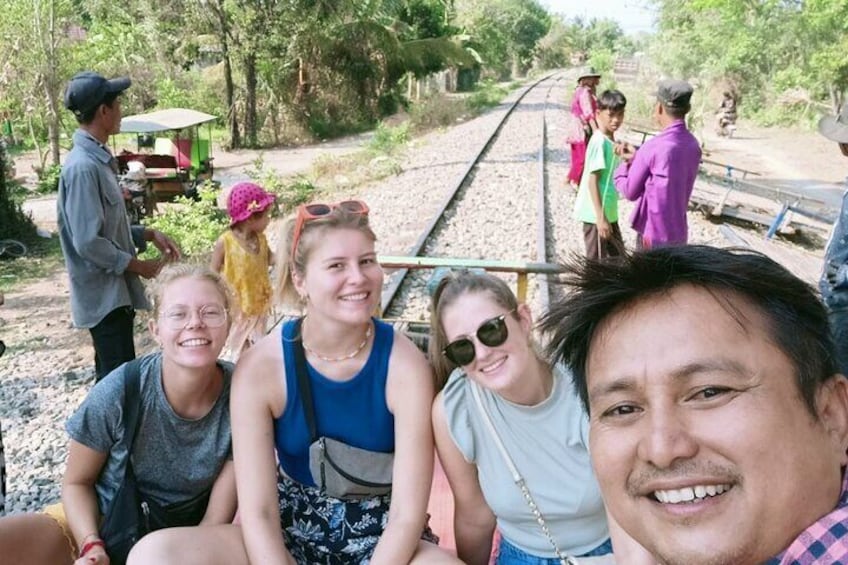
(491, 333)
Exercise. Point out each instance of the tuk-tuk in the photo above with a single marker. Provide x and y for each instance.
(174, 158)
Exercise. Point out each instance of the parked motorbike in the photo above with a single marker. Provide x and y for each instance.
(726, 116)
(136, 191)
(726, 124)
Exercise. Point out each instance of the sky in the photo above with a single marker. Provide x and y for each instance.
(633, 15)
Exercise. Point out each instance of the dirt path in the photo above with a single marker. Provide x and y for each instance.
(800, 161)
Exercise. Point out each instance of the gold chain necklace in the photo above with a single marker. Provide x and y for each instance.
(350, 355)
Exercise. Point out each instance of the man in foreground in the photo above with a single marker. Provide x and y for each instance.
(718, 420)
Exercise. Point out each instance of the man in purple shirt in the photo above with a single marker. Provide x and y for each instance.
(660, 176)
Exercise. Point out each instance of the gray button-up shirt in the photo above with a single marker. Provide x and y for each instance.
(95, 234)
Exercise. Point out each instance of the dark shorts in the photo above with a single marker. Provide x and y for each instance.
(320, 529)
(597, 248)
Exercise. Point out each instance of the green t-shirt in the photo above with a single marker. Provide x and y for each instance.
(600, 156)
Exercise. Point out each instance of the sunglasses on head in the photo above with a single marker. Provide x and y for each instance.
(491, 333)
(308, 212)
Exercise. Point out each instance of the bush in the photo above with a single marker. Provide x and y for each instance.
(387, 139)
(194, 225)
(48, 179)
(14, 223)
(486, 96)
(436, 111)
(290, 191)
(294, 192)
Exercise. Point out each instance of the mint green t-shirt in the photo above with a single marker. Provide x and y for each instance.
(600, 156)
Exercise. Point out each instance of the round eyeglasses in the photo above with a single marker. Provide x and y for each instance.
(179, 317)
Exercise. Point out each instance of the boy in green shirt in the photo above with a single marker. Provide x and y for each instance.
(597, 200)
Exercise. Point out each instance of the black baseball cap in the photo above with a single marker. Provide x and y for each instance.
(674, 93)
(86, 91)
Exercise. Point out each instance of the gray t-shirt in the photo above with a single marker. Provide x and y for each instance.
(548, 444)
(174, 459)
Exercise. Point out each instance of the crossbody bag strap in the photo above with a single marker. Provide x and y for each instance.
(303, 381)
(516, 476)
(132, 404)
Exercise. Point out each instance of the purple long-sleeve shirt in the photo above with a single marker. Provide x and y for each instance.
(660, 177)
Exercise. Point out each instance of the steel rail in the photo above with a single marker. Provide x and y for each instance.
(397, 278)
(542, 211)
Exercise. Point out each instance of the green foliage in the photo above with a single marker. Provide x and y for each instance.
(782, 57)
(48, 179)
(504, 32)
(194, 225)
(268, 69)
(14, 223)
(388, 139)
(486, 96)
(290, 191)
(602, 60)
(295, 192)
(599, 40)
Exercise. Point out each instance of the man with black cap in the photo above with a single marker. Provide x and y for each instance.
(834, 280)
(98, 243)
(660, 176)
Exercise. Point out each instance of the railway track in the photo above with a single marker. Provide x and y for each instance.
(523, 213)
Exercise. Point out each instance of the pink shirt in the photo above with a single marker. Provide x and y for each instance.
(825, 541)
(584, 104)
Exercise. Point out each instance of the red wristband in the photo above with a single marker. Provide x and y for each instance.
(90, 545)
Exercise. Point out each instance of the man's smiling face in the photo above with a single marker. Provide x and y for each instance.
(704, 448)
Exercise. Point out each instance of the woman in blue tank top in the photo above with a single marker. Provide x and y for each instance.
(371, 388)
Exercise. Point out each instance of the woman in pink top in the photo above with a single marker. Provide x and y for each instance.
(584, 105)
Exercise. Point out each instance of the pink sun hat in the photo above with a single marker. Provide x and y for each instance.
(247, 198)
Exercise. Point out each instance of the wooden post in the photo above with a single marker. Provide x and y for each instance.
(521, 292)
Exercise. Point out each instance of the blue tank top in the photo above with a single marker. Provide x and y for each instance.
(353, 411)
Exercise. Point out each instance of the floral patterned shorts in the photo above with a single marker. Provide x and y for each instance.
(320, 529)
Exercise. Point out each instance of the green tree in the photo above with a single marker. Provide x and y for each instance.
(764, 48)
(504, 32)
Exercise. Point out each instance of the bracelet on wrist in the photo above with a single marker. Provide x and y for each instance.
(91, 545)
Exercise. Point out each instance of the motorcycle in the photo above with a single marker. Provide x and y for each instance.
(726, 124)
(136, 189)
(726, 117)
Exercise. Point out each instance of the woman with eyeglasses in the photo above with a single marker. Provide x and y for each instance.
(182, 451)
(368, 390)
(505, 414)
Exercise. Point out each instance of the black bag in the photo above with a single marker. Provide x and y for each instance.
(130, 515)
(350, 473)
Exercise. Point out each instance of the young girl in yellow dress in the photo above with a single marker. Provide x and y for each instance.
(242, 256)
